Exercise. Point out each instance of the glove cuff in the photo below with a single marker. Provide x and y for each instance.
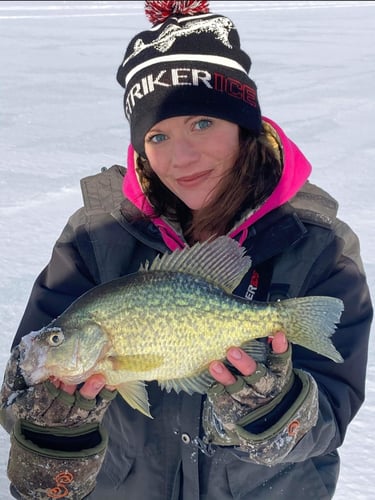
(40, 472)
(274, 444)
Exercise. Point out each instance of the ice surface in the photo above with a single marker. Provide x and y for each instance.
(61, 118)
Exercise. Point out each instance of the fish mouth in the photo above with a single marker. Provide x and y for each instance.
(36, 367)
(32, 360)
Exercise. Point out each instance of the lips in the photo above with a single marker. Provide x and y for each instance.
(194, 179)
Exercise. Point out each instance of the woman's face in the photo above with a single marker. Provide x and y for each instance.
(191, 154)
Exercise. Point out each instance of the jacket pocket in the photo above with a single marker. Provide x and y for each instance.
(300, 481)
(113, 473)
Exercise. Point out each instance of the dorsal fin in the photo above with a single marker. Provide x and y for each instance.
(221, 261)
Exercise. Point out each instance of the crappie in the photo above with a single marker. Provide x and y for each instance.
(167, 322)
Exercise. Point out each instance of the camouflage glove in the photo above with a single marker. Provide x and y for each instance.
(57, 441)
(264, 414)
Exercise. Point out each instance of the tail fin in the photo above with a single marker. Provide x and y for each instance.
(312, 322)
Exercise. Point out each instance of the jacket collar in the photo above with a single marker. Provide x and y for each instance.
(273, 233)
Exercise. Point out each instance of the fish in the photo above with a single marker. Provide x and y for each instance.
(167, 321)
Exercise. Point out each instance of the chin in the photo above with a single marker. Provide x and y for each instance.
(195, 205)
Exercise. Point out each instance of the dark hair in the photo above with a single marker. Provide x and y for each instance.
(252, 179)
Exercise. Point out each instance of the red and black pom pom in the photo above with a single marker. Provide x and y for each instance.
(158, 11)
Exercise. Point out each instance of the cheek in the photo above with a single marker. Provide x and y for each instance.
(228, 147)
(158, 168)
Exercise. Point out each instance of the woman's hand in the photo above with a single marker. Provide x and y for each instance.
(237, 396)
(52, 403)
(264, 409)
(54, 427)
(89, 390)
(244, 363)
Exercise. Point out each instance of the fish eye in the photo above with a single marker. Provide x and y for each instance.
(56, 338)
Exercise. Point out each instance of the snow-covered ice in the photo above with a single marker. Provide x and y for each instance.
(61, 118)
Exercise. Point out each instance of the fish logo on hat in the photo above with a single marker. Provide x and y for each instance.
(219, 26)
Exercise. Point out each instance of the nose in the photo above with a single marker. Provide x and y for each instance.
(184, 153)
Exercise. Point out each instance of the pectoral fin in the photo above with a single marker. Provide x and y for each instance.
(136, 396)
(256, 349)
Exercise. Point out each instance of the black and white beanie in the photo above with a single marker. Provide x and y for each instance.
(189, 63)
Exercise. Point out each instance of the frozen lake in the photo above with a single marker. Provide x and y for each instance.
(62, 118)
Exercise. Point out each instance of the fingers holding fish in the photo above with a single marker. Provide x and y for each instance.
(244, 363)
(92, 386)
(89, 389)
(69, 388)
(256, 384)
(53, 403)
(49, 406)
(279, 343)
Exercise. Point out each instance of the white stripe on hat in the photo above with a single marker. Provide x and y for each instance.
(205, 58)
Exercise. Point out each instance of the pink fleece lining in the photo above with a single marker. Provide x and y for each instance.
(131, 188)
(295, 173)
(133, 191)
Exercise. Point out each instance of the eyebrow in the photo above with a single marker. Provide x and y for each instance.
(156, 130)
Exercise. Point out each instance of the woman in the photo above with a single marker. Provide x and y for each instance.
(202, 163)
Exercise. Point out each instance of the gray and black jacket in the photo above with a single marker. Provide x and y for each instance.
(298, 249)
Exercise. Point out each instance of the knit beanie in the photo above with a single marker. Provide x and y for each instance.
(189, 62)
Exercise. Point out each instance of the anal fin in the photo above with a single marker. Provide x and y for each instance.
(198, 383)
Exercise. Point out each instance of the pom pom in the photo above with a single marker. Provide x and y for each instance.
(158, 11)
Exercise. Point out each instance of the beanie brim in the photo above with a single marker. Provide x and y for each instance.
(229, 96)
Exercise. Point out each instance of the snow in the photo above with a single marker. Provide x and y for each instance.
(62, 118)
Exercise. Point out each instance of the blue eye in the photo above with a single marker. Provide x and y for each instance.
(203, 124)
(157, 138)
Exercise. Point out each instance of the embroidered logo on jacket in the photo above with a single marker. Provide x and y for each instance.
(253, 286)
(60, 490)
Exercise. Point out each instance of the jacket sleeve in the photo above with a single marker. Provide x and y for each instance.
(338, 272)
(70, 272)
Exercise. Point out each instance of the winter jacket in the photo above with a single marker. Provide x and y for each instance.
(298, 247)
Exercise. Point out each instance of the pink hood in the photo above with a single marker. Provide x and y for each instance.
(295, 173)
